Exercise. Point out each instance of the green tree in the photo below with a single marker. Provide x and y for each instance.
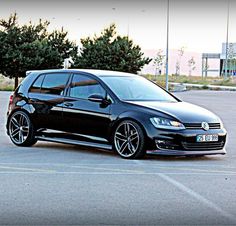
(191, 65)
(178, 62)
(110, 51)
(158, 62)
(31, 47)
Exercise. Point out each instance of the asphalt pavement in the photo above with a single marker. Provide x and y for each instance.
(56, 184)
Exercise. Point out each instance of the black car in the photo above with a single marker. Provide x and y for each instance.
(110, 110)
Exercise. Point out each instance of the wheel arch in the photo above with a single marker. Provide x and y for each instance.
(132, 117)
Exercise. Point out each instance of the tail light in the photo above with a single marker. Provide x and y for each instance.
(10, 104)
(11, 100)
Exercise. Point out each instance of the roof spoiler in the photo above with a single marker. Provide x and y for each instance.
(28, 72)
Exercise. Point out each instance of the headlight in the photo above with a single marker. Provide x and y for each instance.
(163, 123)
(221, 124)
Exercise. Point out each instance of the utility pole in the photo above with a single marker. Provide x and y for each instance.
(167, 45)
(227, 44)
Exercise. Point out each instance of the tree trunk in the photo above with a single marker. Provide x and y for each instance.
(16, 82)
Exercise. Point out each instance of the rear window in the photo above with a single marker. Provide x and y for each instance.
(53, 83)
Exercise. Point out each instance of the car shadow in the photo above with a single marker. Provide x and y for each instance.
(75, 148)
(163, 158)
(113, 154)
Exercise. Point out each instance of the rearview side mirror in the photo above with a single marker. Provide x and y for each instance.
(99, 99)
(96, 98)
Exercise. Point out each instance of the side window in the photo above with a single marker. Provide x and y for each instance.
(54, 83)
(83, 86)
(36, 87)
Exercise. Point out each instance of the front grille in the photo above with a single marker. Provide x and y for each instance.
(203, 146)
(199, 125)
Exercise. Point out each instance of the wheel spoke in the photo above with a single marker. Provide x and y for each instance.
(25, 129)
(15, 132)
(21, 120)
(127, 129)
(131, 147)
(14, 122)
(121, 137)
(22, 137)
(123, 147)
(133, 136)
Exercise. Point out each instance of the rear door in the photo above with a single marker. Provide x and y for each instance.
(47, 96)
(81, 115)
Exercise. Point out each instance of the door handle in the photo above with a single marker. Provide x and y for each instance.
(34, 100)
(68, 104)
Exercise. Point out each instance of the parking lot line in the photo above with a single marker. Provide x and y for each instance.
(197, 196)
(198, 170)
(117, 168)
(26, 169)
(108, 173)
(109, 169)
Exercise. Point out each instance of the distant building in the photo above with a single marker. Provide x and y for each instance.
(231, 65)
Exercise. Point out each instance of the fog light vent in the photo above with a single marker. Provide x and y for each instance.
(166, 144)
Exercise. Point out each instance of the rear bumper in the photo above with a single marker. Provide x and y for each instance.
(186, 153)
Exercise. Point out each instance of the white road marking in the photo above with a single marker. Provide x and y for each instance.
(198, 170)
(109, 169)
(97, 167)
(107, 173)
(197, 196)
(25, 169)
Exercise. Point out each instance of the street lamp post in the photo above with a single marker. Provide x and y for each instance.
(227, 43)
(167, 46)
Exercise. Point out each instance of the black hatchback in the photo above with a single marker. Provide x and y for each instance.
(110, 110)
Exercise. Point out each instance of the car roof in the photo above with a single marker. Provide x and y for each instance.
(98, 73)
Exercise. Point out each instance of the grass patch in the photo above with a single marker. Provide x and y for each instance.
(160, 79)
(6, 84)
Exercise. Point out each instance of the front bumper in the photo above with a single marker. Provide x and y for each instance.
(183, 143)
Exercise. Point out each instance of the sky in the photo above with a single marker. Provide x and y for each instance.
(198, 25)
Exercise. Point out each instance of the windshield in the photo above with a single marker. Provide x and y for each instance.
(136, 88)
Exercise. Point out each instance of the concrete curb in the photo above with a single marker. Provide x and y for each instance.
(183, 86)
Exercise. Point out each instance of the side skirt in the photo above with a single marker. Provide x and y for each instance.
(74, 142)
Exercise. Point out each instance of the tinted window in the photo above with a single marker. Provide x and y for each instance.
(35, 88)
(54, 83)
(136, 88)
(83, 86)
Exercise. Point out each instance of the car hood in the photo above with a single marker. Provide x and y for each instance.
(183, 111)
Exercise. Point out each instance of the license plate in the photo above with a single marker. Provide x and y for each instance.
(207, 138)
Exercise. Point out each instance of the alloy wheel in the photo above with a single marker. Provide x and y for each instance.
(126, 139)
(19, 127)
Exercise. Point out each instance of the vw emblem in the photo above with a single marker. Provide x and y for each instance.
(205, 125)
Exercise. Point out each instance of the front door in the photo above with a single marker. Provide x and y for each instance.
(81, 115)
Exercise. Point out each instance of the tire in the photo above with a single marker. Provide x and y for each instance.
(21, 130)
(129, 140)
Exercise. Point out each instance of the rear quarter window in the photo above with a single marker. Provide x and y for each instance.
(53, 83)
(36, 87)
